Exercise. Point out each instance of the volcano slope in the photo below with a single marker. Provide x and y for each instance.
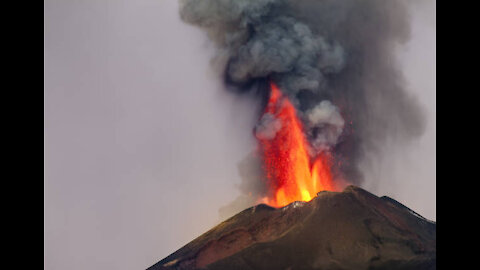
(353, 229)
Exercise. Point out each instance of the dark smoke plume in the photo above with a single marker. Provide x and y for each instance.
(333, 58)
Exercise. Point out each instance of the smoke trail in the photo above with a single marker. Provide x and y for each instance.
(333, 59)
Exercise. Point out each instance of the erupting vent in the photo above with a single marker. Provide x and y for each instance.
(291, 174)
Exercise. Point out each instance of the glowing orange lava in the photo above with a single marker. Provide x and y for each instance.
(292, 175)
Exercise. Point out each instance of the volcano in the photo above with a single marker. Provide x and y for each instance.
(353, 229)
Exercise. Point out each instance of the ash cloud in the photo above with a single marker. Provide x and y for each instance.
(267, 127)
(324, 125)
(333, 59)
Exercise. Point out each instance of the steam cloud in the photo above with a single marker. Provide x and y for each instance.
(333, 59)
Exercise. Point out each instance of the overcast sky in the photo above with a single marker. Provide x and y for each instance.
(142, 142)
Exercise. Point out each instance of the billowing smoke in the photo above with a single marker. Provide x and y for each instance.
(261, 40)
(267, 127)
(324, 125)
(333, 59)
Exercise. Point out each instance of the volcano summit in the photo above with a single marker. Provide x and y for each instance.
(353, 229)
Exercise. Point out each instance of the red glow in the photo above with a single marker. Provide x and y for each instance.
(292, 175)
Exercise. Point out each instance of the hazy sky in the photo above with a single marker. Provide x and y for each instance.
(407, 173)
(142, 142)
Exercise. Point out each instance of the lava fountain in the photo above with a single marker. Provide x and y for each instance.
(292, 175)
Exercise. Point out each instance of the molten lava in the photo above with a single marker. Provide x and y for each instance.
(292, 175)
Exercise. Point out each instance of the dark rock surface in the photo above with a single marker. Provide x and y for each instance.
(353, 229)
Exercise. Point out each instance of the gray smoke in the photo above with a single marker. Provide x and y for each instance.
(326, 118)
(267, 127)
(333, 59)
